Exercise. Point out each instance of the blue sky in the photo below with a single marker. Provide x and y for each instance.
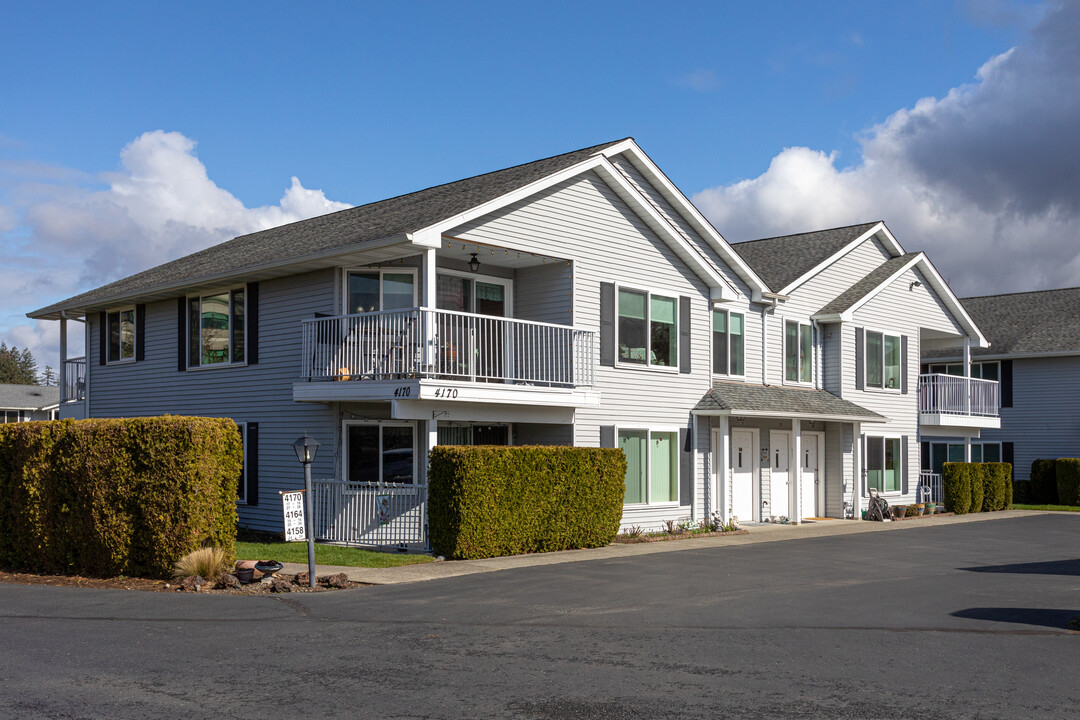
(737, 102)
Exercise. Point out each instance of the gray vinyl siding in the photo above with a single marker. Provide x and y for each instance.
(545, 294)
(836, 461)
(832, 357)
(1043, 422)
(259, 393)
(821, 289)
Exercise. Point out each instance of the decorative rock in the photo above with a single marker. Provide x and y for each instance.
(280, 585)
(192, 583)
(302, 579)
(337, 580)
(229, 581)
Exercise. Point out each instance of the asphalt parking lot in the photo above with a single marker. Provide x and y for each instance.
(952, 621)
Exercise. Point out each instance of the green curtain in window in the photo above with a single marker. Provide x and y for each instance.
(631, 305)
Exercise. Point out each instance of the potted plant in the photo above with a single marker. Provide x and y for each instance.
(920, 508)
(930, 508)
(899, 511)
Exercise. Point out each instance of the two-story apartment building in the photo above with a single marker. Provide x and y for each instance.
(1034, 354)
(580, 299)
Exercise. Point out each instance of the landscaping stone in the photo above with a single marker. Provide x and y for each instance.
(337, 580)
(280, 585)
(228, 580)
(302, 578)
(192, 583)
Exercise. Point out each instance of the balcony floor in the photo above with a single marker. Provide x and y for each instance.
(415, 390)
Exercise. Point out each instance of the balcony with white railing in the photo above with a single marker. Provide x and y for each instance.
(955, 401)
(421, 353)
(74, 370)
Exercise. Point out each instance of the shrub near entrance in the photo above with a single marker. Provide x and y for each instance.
(956, 488)
(1068, 481)
(1044, 482)
(488, 501)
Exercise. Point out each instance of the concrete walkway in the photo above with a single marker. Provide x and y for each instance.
(756, 534)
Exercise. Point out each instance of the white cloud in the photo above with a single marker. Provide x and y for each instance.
(985, 179)
(77, 232)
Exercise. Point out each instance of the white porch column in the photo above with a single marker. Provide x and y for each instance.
(427, 301)
(795, 486)
(856, 474)
(61, 379)
(967, 449)
(967, 377)
(722, 466)
(429, 440)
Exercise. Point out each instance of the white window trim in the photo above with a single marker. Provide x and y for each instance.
(241, 499)
(108, 336)
(649, 430)
(507, 284)
(403, 270)
(783, 356)
(727, 312)
(648, 366)
(866, 470)
(187, 331)
(346, 424)
(866, 356)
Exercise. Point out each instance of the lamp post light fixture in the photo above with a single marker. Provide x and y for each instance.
(306, 447)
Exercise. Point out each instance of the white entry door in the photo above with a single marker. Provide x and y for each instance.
(811, 475)
(779, 459)
(743, 449)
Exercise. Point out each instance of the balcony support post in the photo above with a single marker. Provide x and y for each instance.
(967, 377)
(856, 471)
(427, 302)
(61, 375)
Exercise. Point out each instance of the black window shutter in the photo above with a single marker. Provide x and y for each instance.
(251, 469)
(924, 368)
(103, 338)
(181, 334)
(860, 370)
(607, 436)
(686, 467)
(924, 456)
(1006, 383)
(684, 334)
(140, 332)
(903, 364)
(904, 469)
(607, 324)
(252, 319)
(1007, 456)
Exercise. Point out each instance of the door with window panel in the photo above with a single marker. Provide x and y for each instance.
(468, 345)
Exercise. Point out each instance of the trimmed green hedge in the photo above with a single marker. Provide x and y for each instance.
(1068, 481)
(978, 486)
(1022, 494)
(116, 497)
(997, 486)
(488, 501)
(956, 487)
(1044, 482)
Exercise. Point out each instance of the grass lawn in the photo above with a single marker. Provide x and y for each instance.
(257, 546)
(1062, 508)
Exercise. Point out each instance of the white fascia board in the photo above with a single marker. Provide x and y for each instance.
(888, 240)
(1001, 356)
(689, 211)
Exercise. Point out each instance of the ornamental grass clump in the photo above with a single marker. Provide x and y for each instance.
(209, 563)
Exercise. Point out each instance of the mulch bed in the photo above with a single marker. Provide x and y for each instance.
(647, 538)
(152, 585)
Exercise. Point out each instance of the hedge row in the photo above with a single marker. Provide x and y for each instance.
(488, 501)
(116, 497)
(977, 487)
(1068, 480)
(1053, 482)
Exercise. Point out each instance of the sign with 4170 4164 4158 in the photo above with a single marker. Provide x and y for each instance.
(292, 505)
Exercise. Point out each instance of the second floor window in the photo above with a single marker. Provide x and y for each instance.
(882, 360)
(729, 343)
(648, 330)
(798, 352)
(122, 335)
(216, 332)
(374, 291)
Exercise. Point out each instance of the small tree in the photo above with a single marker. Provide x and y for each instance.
(48, 377)
(17, 367)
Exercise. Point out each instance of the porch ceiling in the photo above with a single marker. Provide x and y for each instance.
(504, 256)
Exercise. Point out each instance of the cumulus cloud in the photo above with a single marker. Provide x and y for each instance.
(64, 231)
(986, 179)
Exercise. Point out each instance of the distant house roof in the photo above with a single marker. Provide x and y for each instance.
(867, 284)
(729, 398)
(1045, 321)
(780, 261)
(338, 230)
(28, 397)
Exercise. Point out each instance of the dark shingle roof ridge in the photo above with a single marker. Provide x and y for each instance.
(1022, 292)
(809, 232)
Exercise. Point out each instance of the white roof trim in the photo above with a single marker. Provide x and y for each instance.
(887, 239)
(799, 416)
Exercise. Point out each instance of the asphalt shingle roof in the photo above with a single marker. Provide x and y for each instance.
(781, 260)
(23, 397)
(1031, 322)
(863, 287)
(342, 229)
(781, 401)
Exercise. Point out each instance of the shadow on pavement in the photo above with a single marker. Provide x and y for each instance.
(1043, 617)
(1050, 567)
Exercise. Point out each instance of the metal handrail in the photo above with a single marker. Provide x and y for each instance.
(957, 395)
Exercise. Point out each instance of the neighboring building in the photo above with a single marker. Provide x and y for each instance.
(578, 300)
(19, 403)
(1034, 354)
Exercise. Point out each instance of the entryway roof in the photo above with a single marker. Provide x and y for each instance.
(730, 398)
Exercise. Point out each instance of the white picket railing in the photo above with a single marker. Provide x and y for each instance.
(74, 379)
(372, 514)
(954, 395)
(932, 481)
(443, 344)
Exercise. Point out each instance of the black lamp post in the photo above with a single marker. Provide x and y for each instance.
(305, 448)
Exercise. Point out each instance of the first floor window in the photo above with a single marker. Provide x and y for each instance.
(121, 335)
(941, 453)
(882, 360)
(12, 416)
(380, 453)
(652, 470)
(798, 352)
(728, 343)
(648, 330)
(216, 333)
(883, 464)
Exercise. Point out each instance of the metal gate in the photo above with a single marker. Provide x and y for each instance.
(372, 514)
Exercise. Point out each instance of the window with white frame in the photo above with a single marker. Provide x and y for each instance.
(798, 352)
(882, 360)
(884, 464)
(941, 453)
(652, 465)
(12, 416)
(379, 453)
(648, 329)
(216, 329)
(121, 331)
(374, 290)
(729, 342)
(987, 370)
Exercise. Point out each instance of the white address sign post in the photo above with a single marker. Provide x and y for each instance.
(292, 505)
